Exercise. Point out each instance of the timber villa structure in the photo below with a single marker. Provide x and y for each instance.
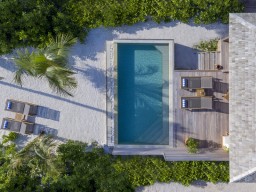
(220, 112)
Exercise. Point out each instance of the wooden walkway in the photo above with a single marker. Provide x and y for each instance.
(173, 154)
(209, 60)
(208, 126)
(223, 48)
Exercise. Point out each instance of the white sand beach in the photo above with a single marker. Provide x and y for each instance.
(83, 117)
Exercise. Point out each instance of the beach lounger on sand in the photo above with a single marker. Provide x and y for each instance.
(21, 107)
(23, 127)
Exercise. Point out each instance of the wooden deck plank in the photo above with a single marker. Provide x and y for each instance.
(225, 55)
(206, 125)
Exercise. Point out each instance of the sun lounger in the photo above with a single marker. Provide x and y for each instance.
(21, 107)
(23, 127)
(196, 82)
(196, 102)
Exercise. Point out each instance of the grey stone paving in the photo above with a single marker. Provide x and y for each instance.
(202, 187)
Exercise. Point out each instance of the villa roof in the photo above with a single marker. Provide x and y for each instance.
(242, 99)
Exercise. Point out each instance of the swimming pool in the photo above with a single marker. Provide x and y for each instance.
(142, 93)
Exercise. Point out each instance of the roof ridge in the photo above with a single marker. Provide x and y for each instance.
(242, 21)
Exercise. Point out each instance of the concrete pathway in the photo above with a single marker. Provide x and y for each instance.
(203, 187)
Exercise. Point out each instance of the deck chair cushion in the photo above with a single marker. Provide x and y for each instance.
(9, 105)
(184, 103)
(184, 82)
(5, 124)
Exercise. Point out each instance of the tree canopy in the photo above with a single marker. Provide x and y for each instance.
(45, 165)
(34, 22)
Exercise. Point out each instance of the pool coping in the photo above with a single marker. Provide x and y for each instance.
(111, 87)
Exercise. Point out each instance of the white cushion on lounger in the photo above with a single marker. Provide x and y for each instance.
(184, 103)
(184, 82)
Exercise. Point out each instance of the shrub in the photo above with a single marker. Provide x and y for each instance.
(19, 27)
(192, 145)
(79, 170)
(10, 137)
(143, 171)
(211, 45)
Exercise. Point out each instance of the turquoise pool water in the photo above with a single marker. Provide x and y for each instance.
(142, 73)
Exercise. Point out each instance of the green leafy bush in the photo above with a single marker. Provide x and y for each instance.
(74, 168)
(33, 23)
(192, 145)
(211, 45)
(12, 136)
(143, 171)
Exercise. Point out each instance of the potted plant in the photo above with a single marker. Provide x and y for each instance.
(192, 145)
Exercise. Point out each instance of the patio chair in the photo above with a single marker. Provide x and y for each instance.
(196, 82)
(23, 127)
(196, 102)
(21, 107)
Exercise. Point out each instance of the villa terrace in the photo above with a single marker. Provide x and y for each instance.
(208, 126)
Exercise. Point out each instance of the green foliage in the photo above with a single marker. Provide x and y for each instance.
(127, 12)
(49, 62)
(33, 23)
(75, 166)
(12, 136)
(192, 145)
(211, 45)
(144, 170)
(148, 170)
(89, 171)
(189, 171)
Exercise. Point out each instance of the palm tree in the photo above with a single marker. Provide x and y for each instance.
(40, 156)
(50, 62)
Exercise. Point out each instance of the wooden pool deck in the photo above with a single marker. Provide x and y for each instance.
(208, 126)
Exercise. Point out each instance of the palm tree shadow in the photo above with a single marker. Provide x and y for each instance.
(7, 64)
(52, 96)
(95, 75)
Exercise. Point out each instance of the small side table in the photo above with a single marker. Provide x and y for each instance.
(226, 96)
(19, 117)
(200, 92)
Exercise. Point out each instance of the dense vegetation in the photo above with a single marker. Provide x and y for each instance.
(34, 22)
(45, 166)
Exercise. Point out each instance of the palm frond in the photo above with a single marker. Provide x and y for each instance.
(24, 65)
(58, 48)
(60, 80)
(50, 62)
